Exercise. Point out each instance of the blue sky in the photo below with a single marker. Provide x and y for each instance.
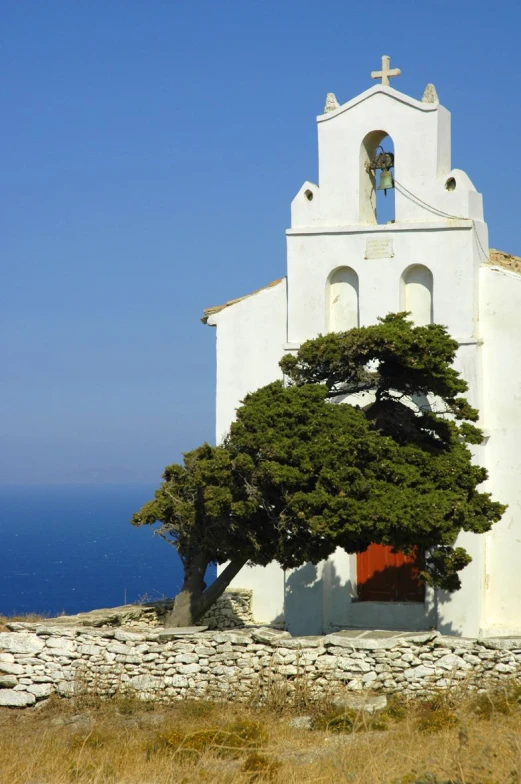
(150, 152)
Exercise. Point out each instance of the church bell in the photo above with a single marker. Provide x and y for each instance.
(386, 182)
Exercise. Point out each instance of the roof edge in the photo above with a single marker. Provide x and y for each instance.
(213, 310)
(498, 258)
(379, 88)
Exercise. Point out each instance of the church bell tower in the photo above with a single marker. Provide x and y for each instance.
(346, 269)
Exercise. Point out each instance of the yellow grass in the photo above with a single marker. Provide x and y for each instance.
(463, 739)
(27, 618)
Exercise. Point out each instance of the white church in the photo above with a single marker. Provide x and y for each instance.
(345, 269)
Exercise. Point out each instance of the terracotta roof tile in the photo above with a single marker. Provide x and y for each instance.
(502, 259)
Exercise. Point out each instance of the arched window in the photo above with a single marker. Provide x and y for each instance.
(342, 300)
(376, 206)
(416, 294)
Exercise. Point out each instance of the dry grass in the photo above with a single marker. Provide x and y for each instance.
(27, 618)
(463, 739)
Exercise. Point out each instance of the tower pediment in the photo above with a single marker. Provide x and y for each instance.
(427, 189)
(378, 89)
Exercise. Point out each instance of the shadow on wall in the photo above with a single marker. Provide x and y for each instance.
(444, 627)
(314, 594)
(303, 601)
(318, 602)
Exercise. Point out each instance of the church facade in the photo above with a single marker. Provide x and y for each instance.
(345, 269)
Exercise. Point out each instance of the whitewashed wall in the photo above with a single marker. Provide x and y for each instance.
(501, 328)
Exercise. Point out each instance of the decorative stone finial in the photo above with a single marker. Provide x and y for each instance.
(430, 95)
(331, 103)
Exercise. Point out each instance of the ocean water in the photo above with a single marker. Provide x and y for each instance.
(71, 548)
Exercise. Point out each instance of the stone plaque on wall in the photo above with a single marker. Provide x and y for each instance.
(379, 248)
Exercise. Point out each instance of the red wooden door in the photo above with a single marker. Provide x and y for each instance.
(384, 576)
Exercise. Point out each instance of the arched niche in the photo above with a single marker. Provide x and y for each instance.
(375, 207)
(342, 300)
(416, 294)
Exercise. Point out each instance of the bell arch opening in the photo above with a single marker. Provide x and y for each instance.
(376, 204)
(342, 300)
(416, 292)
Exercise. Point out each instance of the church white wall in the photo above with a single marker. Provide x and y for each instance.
(250, 340)
(447, 251)
(250, 343)
(462, 613)
(500, 318)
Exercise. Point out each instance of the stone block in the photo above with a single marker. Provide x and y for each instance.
(269, 636)
(124, 636)
(413, 673)
(145, 683)
(65, 688)
(57, 631)
(287, 669)
(8, 682)
(62, 643)
(179, 681)
(451, 661)
(11, 669)
(9, 698)
(61, 652)
(496, 643)
(228, 672)
(443, 683)
(354, 665)
(501, 667)
(188, 669)
(89, 650)
(129, 659)
(119, 648)
(186, 658)
(41, 690)
(454, 642)
(20, 642)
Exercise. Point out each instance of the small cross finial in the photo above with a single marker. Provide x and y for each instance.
(386, 71)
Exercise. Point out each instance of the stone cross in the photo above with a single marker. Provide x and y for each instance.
(386, 71)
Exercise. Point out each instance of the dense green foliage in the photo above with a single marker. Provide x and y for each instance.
(297, 476)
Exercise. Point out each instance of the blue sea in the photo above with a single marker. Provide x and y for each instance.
(71, 548)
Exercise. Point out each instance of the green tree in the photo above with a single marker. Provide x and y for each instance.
(297, 477)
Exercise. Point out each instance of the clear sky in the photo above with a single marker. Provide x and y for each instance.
(150, 152)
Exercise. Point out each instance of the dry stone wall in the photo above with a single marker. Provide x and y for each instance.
(37, 660)
(232, 610)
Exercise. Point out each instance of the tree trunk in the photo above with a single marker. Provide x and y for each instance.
(193, 601)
